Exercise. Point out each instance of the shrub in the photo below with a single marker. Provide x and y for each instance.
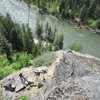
(90, 21)
(75, 47)
(45, 59)
(3, 61)
(23, 60)
(58, 42)
(4, 71)
(23, 98)
(16, 66)
(7, 68)
(54, 6)
(96, 24)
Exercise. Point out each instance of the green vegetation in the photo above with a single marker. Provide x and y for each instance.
(4, 71)
(71, 9)
(93, 23)
(58, 42)
(3, 61)
(45, 59)
(15, 38)
(75, 47)
(54, 6)
(20, 60)
(96, 24)
(53, 42)
(23, 98)
(18, 48)
(90, 21)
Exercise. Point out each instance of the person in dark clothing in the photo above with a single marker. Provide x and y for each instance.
(23, 79)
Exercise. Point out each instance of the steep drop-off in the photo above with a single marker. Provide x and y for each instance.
(74, 76)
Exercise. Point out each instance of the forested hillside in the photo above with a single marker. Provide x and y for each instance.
(88, 11)
(18, 44)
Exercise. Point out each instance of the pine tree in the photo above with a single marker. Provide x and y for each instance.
(91, 9)
(16, 38)
(46, 27)
(61, 6)
(58, 42)
(35, 50)
(82, 12)
(61, 37)
(28, 39)
(39, 47)
(7, 49)
(7, 25)
(43, 4)
(63, 13)
(49, 33)
(38, 3)
(39, 30)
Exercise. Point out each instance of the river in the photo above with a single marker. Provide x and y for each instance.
(18, 11)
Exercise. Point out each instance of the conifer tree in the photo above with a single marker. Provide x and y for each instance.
(82, 12)
(58, 42)
(46, 27)
(16, 38)
(39, 30)
(91, 9)
(7, 49)
(28, 39)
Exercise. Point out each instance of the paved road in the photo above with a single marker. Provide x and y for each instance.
(18, 11)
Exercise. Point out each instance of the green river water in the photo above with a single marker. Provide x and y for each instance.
(89, 41)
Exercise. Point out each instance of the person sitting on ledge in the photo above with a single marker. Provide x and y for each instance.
(23, 79)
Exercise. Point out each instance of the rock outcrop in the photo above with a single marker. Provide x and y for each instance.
(75, 77)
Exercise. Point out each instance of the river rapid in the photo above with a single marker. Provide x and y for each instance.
(19, 13)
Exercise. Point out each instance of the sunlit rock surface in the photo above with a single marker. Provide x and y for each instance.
(73, 77)
(77, 77)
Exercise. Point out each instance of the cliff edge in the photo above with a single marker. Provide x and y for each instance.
(73, 76)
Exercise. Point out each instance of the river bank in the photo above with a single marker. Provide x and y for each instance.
(83, 26)
(76, 22)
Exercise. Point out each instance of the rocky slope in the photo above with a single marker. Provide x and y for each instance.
(77, 77)
(73, 77)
